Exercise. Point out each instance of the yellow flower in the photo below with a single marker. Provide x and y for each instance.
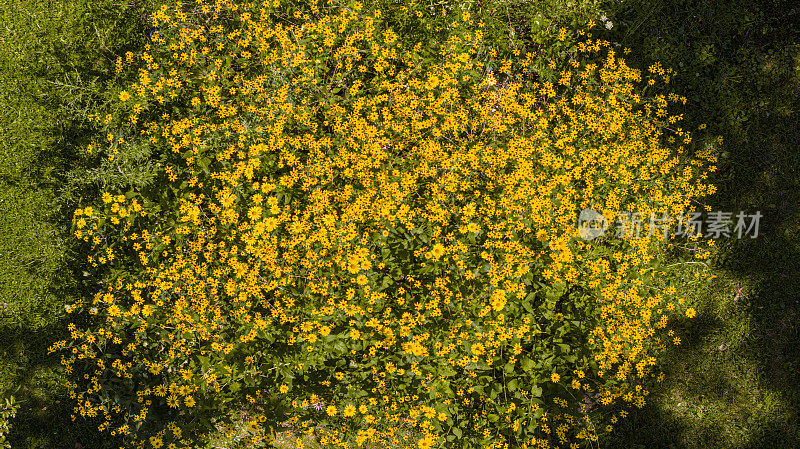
(498, 300)
(124, 96)
(438, 250)
(690, 312)
(283, 388)
(349, 411)
(331, 410)
(173, 401)
(254, 213)
(555, 377)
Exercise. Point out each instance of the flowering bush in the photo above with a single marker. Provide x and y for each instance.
(356, 232)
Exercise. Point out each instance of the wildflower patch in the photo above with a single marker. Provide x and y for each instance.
(353, 233)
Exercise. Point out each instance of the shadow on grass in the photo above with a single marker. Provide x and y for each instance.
(735, 382)
(43, 420)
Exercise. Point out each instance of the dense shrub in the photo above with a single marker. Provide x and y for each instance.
(354, 230)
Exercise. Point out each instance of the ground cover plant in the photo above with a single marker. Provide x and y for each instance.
(731, 381)
(339, 237)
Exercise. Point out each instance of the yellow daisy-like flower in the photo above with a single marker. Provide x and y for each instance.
(283, 388)
(438, 250)
(254, 213)
(349, 411)
(331, 410)
(173, 401)
(498, 300)
(253, 426)
(362, 280)
(473, 227)
(555, 377)
(124, 96)
(690, 312)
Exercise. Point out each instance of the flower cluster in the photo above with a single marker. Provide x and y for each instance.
(439, 280)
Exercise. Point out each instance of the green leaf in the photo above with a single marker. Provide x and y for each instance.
(512, 386)
(447, 371)
(496, 390)
(340, 347)
(204, 163)
(526, 363)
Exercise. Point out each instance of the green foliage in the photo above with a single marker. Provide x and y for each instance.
(54, 64)
(737, 66)
(204, 309)
(7, 411)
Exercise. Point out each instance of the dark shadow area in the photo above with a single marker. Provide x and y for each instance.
(738, 64)
(44, 417)
(663, 429)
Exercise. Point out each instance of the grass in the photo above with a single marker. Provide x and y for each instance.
(733, 383)
(54, 59)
